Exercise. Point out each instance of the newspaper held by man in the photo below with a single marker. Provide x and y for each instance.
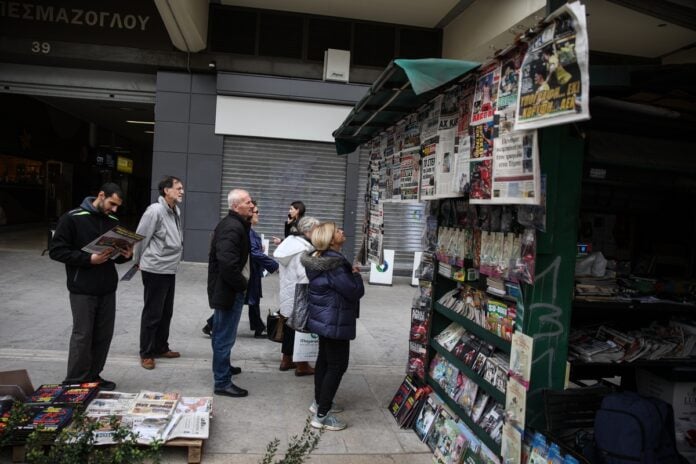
(118, 239)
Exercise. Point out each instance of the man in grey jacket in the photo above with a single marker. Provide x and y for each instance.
(158, 256)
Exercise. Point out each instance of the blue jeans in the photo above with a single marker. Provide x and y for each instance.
(225, 323)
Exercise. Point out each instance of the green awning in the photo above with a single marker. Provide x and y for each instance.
(399, 90)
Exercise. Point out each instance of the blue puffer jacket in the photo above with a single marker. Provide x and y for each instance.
(334, 295)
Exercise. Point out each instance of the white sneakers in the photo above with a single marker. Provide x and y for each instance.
(329, 421)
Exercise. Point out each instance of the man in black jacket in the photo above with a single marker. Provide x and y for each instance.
(228, 276)
(92, 281)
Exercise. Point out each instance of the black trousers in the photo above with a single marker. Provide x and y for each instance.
(157, 313)
(288, 346)
(255, 321)
(93, 328)
(332, 363)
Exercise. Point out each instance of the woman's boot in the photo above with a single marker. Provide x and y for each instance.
(286, 363)
(303, 368)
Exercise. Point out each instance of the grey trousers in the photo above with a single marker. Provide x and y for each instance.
(93, 328)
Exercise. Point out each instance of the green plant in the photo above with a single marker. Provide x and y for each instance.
(299, 447)
(75, 445)
(19, 414)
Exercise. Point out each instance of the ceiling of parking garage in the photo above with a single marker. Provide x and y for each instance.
(111, 116)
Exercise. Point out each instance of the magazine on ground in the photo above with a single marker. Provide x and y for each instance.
(406, 388)
(119, 238)
(426, 415)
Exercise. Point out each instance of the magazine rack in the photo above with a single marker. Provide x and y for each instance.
(547, 303)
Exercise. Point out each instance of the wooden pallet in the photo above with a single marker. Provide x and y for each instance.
(195, 449)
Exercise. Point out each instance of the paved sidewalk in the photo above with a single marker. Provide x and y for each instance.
(35, 324)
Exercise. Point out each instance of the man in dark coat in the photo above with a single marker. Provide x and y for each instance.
(92, 281)
(228, 277)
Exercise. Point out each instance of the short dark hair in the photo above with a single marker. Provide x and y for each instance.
(110, 189)
(300, 207)
(167, 182)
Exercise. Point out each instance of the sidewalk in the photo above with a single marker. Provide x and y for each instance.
(35, 324)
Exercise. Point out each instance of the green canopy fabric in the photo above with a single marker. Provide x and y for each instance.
(431, 73)
(399, 90)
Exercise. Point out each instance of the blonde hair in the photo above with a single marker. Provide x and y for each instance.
(322, 235)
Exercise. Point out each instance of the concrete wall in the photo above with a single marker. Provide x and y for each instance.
(486, 26)
(185, 146)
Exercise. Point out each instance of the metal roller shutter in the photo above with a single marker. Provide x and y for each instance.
(403, 223)
(278, 172)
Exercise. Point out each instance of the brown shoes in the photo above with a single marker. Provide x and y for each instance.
(169, 354)
(147, 363)
(286, 363)
(303, 368)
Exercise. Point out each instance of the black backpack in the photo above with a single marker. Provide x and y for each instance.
(630, 428)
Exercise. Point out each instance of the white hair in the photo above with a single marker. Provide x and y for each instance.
(306, 224)
(234, 197)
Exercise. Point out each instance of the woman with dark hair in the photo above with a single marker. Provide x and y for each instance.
(335, 289)
(295, 213)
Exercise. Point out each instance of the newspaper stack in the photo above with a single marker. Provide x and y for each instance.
(150, 415)
(677, 340)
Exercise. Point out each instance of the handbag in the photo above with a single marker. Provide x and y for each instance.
(275, 322)
(300, 313)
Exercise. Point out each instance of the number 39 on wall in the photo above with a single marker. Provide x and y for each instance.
(40, 47)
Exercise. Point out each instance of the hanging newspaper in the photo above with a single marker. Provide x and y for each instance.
(429, 118)
(386, 173)
(375, 233)
(428, 169)
(554, 84)
(462, 140)
(515, 176)
(486, 94)
(445, 187)
(509, 80)
(410, 174)
(481, 166)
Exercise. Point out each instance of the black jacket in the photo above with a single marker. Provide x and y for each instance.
(229, 252)
(76, 229)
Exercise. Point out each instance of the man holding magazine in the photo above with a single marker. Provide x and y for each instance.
(92, 281)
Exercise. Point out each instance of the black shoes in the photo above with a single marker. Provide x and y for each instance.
(233, 391)
(235, 370)
(207, 329)
(259, 333)
(107, 385)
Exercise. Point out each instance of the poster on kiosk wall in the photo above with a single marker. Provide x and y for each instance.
(554, 81)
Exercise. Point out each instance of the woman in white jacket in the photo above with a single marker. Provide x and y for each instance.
(292, 272)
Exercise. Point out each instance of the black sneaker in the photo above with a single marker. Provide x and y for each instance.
(107, 385)
(235, 370)
(206, 329)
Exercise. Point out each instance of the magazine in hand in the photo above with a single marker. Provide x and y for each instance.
(119, 238)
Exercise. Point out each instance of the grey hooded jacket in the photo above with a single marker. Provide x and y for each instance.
(160, 251)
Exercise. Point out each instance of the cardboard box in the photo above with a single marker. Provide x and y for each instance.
(680, 392)
(16, 383)
(677, 391)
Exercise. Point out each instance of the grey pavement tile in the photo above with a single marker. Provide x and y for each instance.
(35, 324)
